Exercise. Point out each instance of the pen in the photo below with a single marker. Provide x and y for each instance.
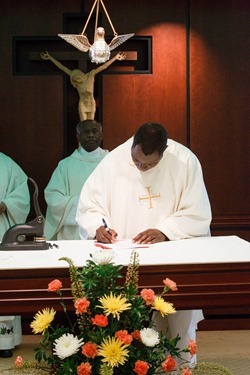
(106, 226)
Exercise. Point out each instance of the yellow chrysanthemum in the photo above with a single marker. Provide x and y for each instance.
(114, 305)
(163, 307)
(42, 320)
(113, 351)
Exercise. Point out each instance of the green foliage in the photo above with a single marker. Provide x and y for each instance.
(94, 281)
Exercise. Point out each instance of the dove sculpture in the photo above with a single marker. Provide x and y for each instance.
(99, 51)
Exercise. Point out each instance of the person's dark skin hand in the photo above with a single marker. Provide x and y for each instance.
(150, 236)
(105, 235)
(2, 208)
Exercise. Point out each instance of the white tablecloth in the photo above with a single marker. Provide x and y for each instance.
(226, 249)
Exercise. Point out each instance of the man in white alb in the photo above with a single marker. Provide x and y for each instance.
(150, 189)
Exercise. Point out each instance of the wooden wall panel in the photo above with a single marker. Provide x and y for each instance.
(198, 90)
(131, 100)
(32, 106)
(219, 108)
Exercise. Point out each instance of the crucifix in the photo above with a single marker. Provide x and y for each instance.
(149, 196)
(27, 60)
(83, 82)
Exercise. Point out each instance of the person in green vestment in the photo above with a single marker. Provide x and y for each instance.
(63, 190)
(14, 209)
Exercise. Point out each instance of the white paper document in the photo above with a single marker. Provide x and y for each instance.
(122, 244)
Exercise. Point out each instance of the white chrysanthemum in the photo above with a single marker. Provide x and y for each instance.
(67, 345)
(149, 337)
(103, 256)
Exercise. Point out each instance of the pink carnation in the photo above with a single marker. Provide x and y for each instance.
(18, 362)
(148, 295)
(136, 335)
(84, 369)
(192, 347)
(169, 364)
(81, 305)
(170, 284)
(141, 367)
(54, 286)
(124, 336)
(90, 349)
(100, 320)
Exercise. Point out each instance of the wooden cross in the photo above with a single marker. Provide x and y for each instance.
(27, 61)
(83, 61)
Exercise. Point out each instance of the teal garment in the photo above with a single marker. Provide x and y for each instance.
(14, 192)
(63, 191)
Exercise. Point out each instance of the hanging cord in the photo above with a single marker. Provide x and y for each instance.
(96, 3)
(115, 33)
(93, 7)
(96, 19)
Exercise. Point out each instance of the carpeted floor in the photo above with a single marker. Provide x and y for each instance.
(228, 348)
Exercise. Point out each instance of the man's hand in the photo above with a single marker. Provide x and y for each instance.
(45, 55)
(121, 56)
(105, 235)
(150, 236)
(3, 208)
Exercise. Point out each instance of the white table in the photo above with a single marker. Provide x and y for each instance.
(210, 272)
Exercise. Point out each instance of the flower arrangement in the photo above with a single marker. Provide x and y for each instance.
(113, 332)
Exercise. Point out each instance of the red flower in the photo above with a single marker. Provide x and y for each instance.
(124, 337)
(89, 350)
(84, 369)
(169, 364)
(148, 295)
(81, 305)
(54, 286)
(100, 320)
(192, 347)
(136, 335)
(170, 284)
(141, 367)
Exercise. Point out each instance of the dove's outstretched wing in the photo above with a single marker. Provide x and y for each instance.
(81, 42)
(119, 39)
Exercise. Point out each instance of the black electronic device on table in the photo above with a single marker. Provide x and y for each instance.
(28, 236)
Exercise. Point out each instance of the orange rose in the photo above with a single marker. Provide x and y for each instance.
(100, 320)
(192, 347)
(81, 305)
(148, 295)
(89, 350)
(136, 335)
(84, 369)
(54, 286)
(141, 367)
(169, 364)
(170, 284)
(124, 337)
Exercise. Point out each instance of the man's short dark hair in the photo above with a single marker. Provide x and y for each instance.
(151, 137)
(81, 124)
